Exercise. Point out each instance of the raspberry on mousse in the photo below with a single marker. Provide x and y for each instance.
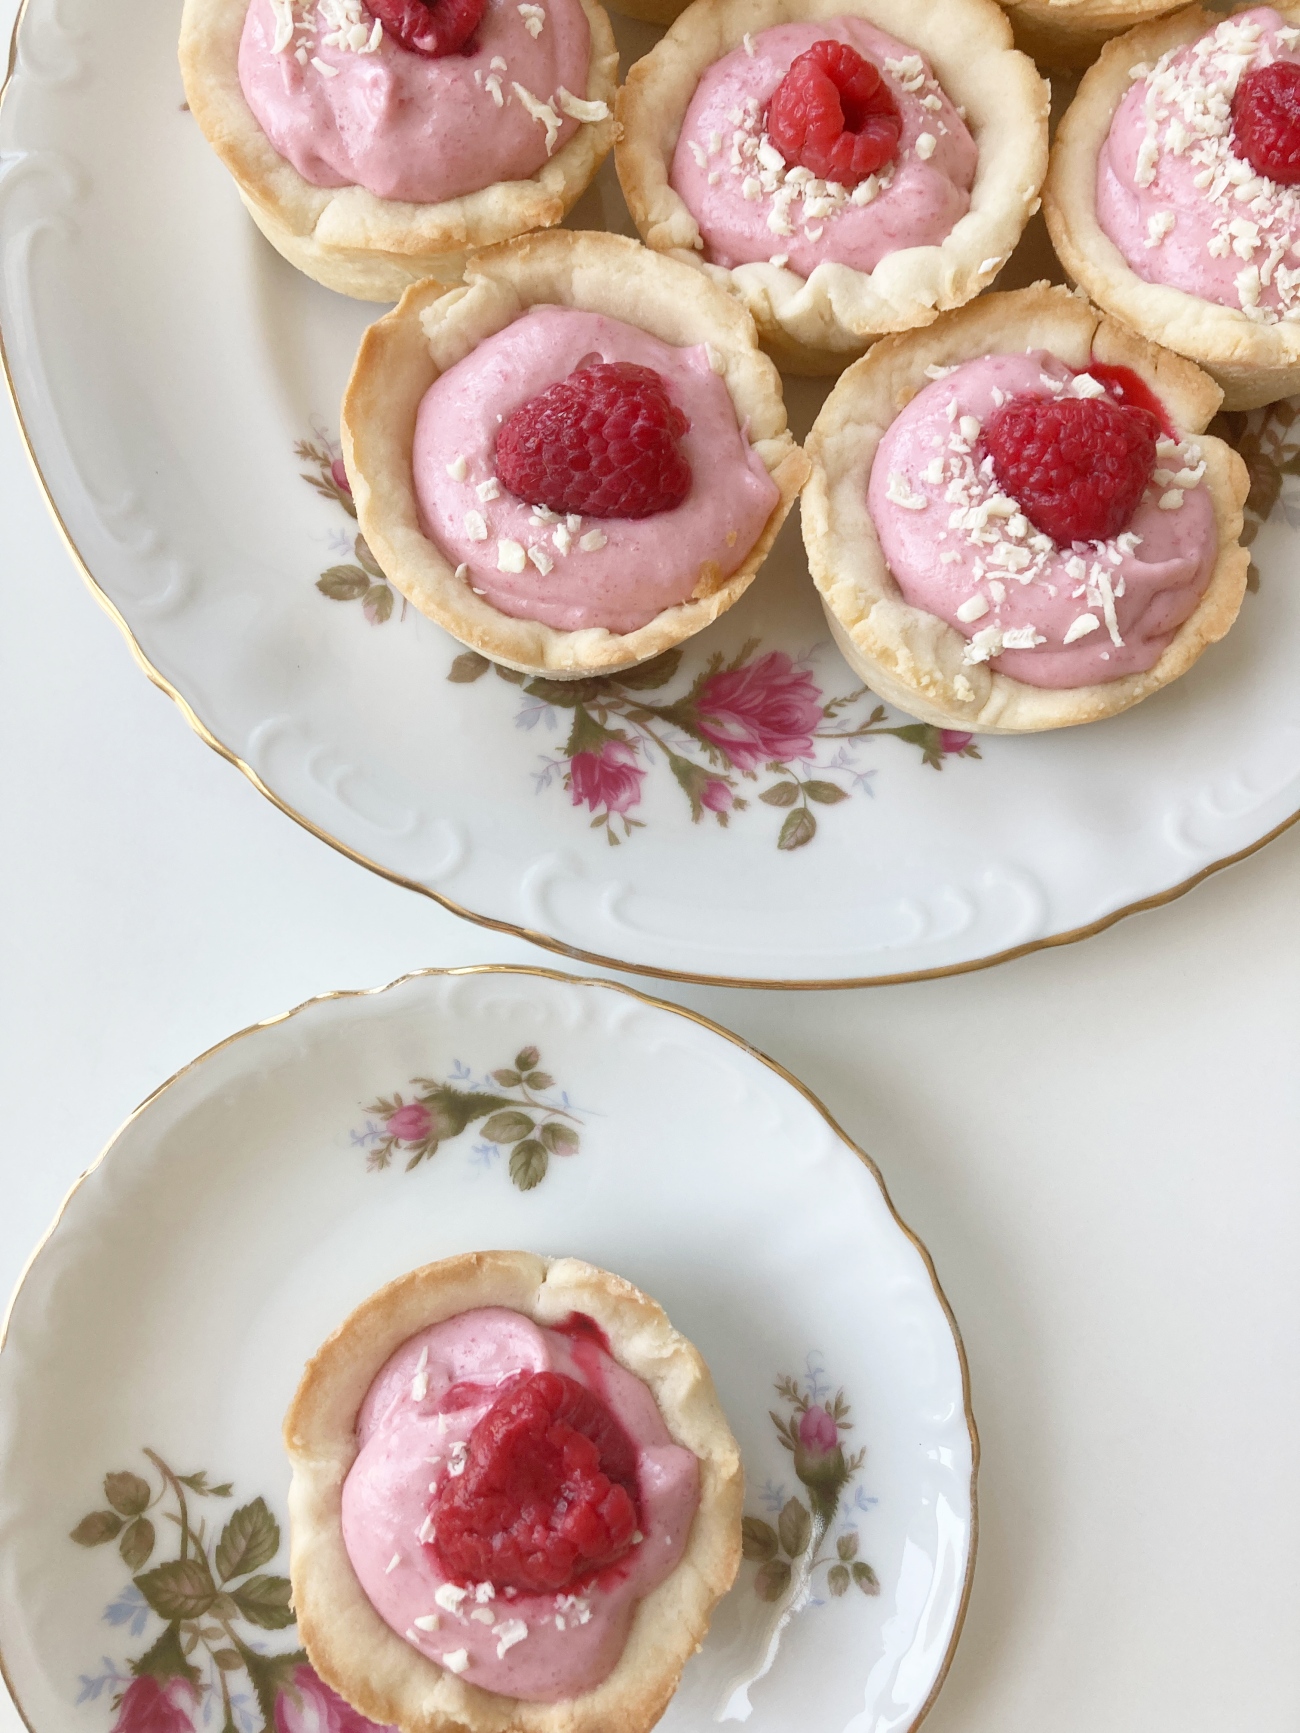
(834, 114)
(605, 443)
(1076, 466)
(547, 1497)
(430, 27)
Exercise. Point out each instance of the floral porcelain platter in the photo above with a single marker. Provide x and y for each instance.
(159, 1332)
(741, 811)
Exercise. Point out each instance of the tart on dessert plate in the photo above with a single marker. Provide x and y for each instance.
(1173, 196)
(1016, 519)
(329, 1178)
(575, 462)
(378, 144)
(847, 171)
(512, 1479)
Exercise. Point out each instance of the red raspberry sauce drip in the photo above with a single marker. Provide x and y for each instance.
(548, 1496)
(1132, 391)
(1076, 466)
(602, 443)
(1266, 121)
(834, 114)
(434, 30)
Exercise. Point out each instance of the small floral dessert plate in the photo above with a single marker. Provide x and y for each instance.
(240, 1214)
(741, 810)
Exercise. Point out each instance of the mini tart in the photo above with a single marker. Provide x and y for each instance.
(430, 330)
(816, 325)
(371, 248)
(914, 659)
(1253, 363)
(1067, 35)
(348, 1643)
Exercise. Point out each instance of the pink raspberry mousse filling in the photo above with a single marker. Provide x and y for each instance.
(540, 1647)
(573, 573)
(1182, 207)
(405, 126)
(751, 206)
(1048, 615)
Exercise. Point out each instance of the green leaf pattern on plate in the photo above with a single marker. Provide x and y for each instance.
(793, 1551)
(514, 1102)
(212, 1609)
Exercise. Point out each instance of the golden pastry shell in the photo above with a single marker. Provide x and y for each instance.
(1253, 363)
(371, 248)
(431, 329)
(914, 659)
(818, 324)
(348, 1643)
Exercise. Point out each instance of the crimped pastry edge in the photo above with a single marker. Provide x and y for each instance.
(348, 1643)
(912, 658)
(818, 324)
(1254, 364)
(431, 328)
(344, 237)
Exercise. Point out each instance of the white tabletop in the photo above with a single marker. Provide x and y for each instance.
(1097, 1143)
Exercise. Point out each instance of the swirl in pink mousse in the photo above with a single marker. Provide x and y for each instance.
(630, 570)
(958, 548)
(405, 126)
(915, 203)
(765, 710)
(1172, 130)
(410, 1437)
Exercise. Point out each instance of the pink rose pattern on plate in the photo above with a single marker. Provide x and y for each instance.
(760, 714)
(516, 1103)
(808, 1538)
(212, 1598)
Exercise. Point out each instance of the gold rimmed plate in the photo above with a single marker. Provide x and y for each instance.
(743, 812)
(159, 1332)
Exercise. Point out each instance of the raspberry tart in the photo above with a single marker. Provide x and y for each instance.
(575, 462)
(515, 1501)
(1174, 192)
(845, 171)
(377, 142)
(1016, 520)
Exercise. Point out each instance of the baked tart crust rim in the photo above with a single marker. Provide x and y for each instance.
(349, 1644)
(431, 328)
(821, 322)
(913, 658)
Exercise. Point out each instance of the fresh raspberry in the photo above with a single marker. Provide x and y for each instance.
(602, 442)
(433, 30)
(1076, 466)
(834, 114)
(548, 1494)
(1266, 121)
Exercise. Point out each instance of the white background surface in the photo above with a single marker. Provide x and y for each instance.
(1098, 1144)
